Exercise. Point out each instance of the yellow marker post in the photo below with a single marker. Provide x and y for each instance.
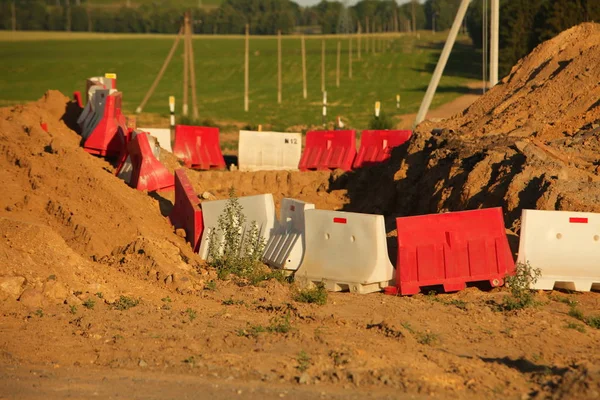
(377, 108)
(110, 75)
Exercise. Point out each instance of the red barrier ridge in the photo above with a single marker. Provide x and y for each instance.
(451, 249)
(108, 137)
(376, 146)
(186, 213)
(148, 173)
(198, 147)
(77, 98)
(328, 150)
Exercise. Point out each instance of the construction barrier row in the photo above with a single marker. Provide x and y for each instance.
(260, 151)
(198, 147)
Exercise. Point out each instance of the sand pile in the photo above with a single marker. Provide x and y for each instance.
(63, 213)
(530, 142)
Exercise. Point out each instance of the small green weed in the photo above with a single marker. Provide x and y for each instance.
(519, 283)
(593, 322)
(125, 303)
(252, 331)
(406, 325)
(460, 304)
(565, 300)
(190, 360)
(99, 295)
(427, 338)
(381, 122)
(303, 361)
(191, 314)
(73, 309)
(280, 324)
(166, 299)
(232, 302)
(315, 295)
(39, 312)
(89, 304)
(339, 358)
(576, 313)
(576, 326)
(211, 285)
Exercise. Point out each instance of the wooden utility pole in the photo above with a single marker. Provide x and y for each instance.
(68, 11)
(190, 46)
(13, 11)
(186, 64)
(367, 37)
(161, 72)
(322, 65)
(359, 34)
(246, 69)
(350, 56)
(279, 67)
(337, 69)
(304, 92)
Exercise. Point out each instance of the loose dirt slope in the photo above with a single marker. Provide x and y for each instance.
(75, 239)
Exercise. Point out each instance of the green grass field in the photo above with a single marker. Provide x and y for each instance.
(30, 66)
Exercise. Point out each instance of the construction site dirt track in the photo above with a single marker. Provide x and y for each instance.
(78, 245)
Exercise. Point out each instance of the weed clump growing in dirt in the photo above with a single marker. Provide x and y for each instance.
(303, 361)
(592, 322)
(89, 304)
(519, 284)
(125, 303)
(231, 250)
(314, 295)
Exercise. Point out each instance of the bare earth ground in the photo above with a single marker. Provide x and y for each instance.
(75, 240)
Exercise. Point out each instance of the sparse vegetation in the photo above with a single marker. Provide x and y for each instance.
(576, 326)
(99, 295)
(303, 361)
(519, 284)
(252, 331)
(232, 302)
(73, 309)
(427, 338)
(39, 312)
(314, 295)
(280, 324)
(89, 304)
(592, 322)
(191, 313)
(125, 303)
(381, 122)
(211, 285)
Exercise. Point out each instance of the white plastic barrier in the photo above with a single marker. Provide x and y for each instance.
(96, 114)
(163, 135)
(263, 151)
(564, 245)
(285, 249)
(345, 251)
(88, 109)
(259, 209)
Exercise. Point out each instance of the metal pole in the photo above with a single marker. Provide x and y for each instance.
(322, 65)
(279, 67)
(304, 92)
(494, 42)
(190, 45)
(337, 69)
(186, 64)
(246, 66)
(439, 69)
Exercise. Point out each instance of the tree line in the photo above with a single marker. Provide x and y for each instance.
(523, 23)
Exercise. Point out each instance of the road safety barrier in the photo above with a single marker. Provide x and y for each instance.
(186, 213)
(259, 209)
(163, 135)
(264, 151)
(108, 137)
(77, 98)
(564, 245)
(125, 167)
(285, 248)
(198, 147)
(328, 150)
(147, 172)
(93, 111)
(451, 249)
(376, 145)
(345, 251)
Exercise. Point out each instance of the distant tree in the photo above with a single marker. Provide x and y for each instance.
(79, 21)
(556, 16)
(444, 11)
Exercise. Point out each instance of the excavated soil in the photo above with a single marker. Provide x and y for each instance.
(79, 248)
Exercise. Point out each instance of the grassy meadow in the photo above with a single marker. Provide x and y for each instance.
(32, 62)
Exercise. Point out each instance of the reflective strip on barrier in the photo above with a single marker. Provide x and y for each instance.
(328, 150)
(163, 135)
(376, 146)
(260, 209)
(285, 248)
(451, 249)
(148, 173)
(198, 147)
(107, 138)
(345, 251)
(264, 151)
(564, 245)
(186, 213)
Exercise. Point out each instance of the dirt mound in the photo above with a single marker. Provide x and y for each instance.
(530, 142)
(53, 189)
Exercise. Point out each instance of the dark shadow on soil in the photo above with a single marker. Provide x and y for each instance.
(525, 366)
(165, 205)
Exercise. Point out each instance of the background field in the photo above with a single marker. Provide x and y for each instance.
(31, 63)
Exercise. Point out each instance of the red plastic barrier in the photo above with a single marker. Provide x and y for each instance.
(376, 146)
(108, 138)
(186, 213)
(451, 249)
(198, 147)
(148, 173)
(328, 150)
(77, 98)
